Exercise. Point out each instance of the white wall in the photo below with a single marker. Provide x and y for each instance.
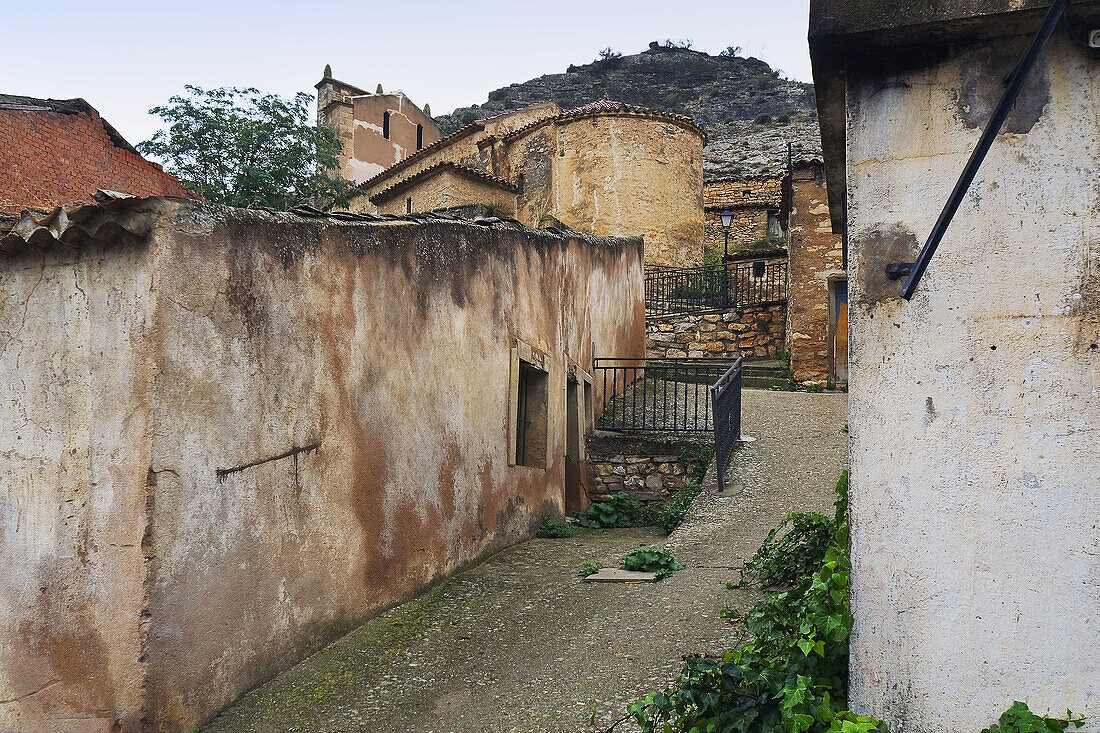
(975, 416)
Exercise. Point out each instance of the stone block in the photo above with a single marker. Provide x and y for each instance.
(617, 471)
(695, 354)
(653, 482)
(675, 354)
(684, 326)
(666, 459)
(703, 327)
(602, 469)
(712, 318)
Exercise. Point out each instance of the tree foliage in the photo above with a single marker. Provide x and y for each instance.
(241, 147)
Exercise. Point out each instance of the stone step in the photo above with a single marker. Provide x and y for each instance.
(753, 382)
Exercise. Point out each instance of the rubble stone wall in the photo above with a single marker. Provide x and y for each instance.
(753, 332)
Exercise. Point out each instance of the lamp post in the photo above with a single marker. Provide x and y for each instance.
(727, 219)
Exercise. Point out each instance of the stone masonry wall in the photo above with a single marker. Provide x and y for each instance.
(749, 199)
(647, 467)
(647, 478)
(755, 332)
(816, 257)
(748, 227)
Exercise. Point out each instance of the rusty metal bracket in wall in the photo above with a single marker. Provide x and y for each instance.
(915, 270)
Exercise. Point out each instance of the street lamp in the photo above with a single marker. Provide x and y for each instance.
(727, 219)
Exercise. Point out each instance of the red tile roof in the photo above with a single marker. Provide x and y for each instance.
(55, 152)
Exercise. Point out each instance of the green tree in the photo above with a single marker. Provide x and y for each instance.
(240, 147)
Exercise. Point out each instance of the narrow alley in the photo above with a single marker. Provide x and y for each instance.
(518, 643)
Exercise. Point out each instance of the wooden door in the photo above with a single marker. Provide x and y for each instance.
(840, 330)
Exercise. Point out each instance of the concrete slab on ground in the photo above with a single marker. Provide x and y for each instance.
(618, 575)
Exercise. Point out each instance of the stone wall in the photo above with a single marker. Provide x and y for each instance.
(815, 261)
(750, 200)
(752, 332)
(447, 187)
(727, 193)
(633, 174)
(648, 467)
(748, 228)
(235, 434)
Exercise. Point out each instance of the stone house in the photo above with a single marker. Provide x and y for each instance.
(59, 151)
(378, 130)
(758, 205)
(974, 406)
(237, 433)
(607, 169)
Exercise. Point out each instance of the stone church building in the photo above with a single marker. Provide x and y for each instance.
(607, 168)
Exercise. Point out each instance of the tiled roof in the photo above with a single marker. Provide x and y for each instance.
(438, 168)
(603, 105)
(115, 213)
(609, 107)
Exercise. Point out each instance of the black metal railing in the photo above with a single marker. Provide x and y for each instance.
(712, 288)
(662, 395)
(726, 400)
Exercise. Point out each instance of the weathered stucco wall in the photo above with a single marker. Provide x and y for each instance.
(974, 408)
(371, 151)
(815, 259)
(239, 436)
(76, 336)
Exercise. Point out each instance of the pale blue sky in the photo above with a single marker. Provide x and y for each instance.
(125, 57)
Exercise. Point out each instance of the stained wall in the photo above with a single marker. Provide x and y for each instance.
(236, 434)
(974, 407)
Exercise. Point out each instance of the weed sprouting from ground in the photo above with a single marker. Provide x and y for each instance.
(554, 526)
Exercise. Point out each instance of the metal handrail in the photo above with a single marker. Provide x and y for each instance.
(915, 270)
(726, 401)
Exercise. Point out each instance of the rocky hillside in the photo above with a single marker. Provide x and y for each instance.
(748, 110)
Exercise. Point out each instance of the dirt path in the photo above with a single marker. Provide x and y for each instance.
(519, 644)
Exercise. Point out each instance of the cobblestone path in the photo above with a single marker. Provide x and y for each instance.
(519, 644)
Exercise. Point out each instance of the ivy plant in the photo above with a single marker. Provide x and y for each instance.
(653, 560)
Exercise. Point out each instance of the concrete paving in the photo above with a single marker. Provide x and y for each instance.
(519, 643)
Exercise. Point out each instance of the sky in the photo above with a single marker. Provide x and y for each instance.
(126, 57)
